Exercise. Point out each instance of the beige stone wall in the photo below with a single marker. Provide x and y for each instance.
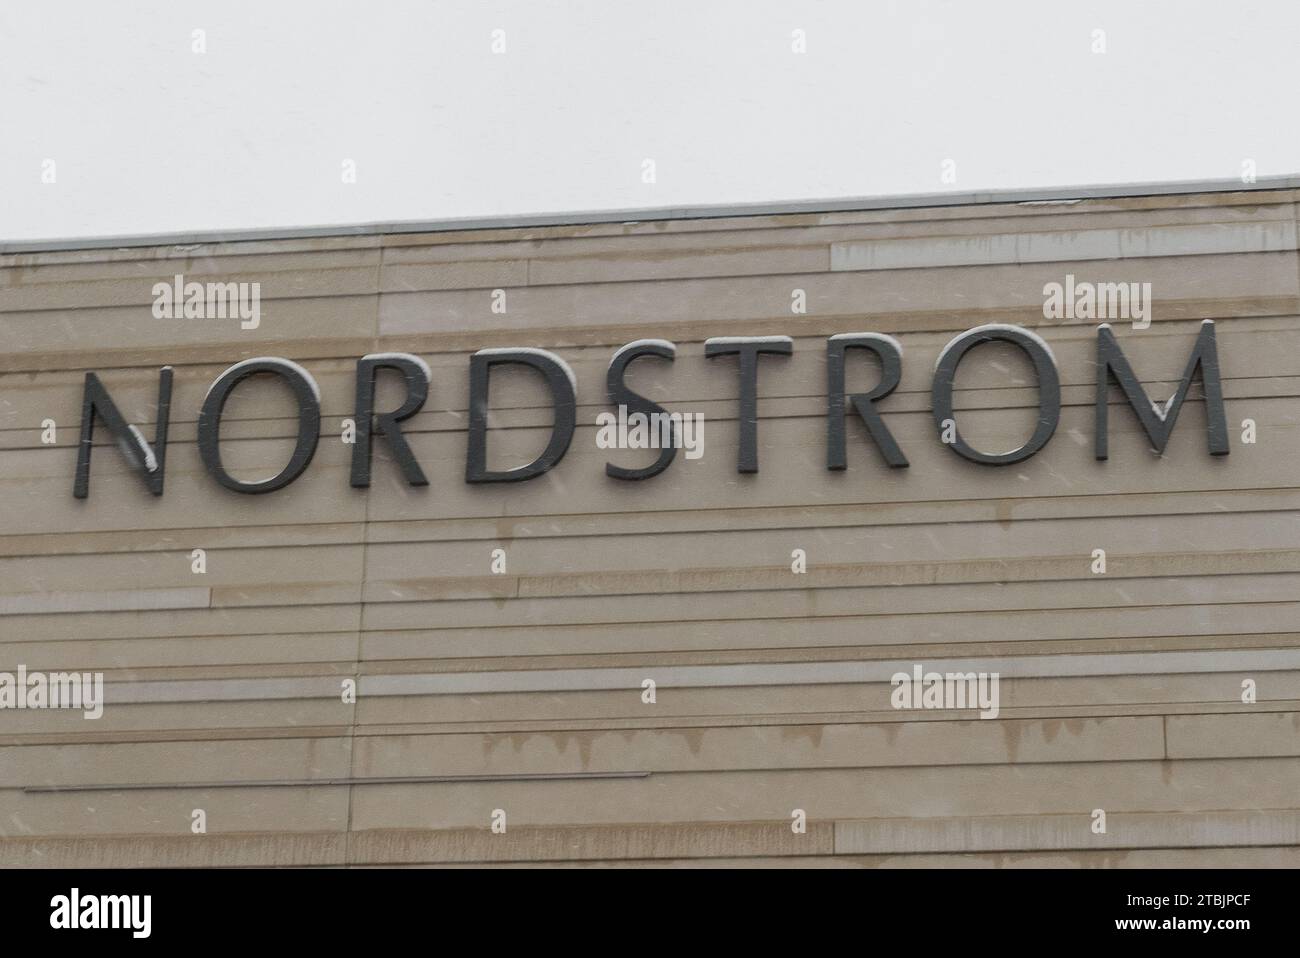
(522, 691)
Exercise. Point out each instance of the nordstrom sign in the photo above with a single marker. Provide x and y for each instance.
(745, 353)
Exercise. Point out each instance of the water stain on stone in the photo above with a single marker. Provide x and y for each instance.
(694, 739)
(812, 733)
(506, 529)
(1011, 732)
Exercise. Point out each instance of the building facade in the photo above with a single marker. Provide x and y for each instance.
(697, 667)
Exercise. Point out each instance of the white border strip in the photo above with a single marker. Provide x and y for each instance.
(703, 676)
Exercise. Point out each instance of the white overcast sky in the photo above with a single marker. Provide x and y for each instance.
(148, 136)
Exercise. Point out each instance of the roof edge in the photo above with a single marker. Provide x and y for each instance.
(652, 214)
